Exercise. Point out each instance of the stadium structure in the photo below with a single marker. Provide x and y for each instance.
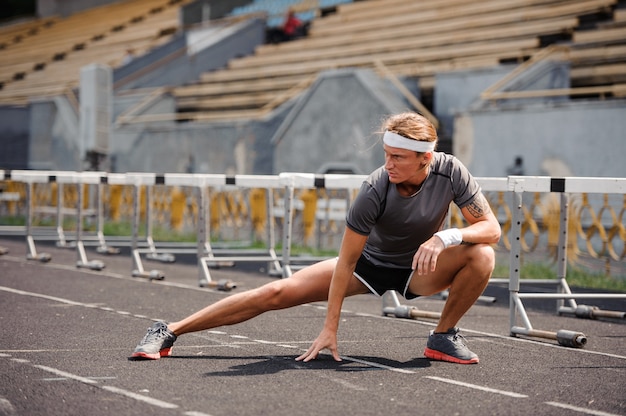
(196, 86)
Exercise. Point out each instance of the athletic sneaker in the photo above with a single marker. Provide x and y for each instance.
(156, 344)
(449, 346)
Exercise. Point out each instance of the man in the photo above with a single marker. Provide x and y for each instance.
(393, 241)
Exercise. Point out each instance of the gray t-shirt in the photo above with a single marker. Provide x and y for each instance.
(397, 225)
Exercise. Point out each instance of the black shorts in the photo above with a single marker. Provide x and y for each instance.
(379, 279)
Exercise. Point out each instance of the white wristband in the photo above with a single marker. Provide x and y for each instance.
(450, 237)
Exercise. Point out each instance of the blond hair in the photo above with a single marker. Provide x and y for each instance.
(412, 126)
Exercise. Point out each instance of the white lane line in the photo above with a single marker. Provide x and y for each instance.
(91, 382)
(6, 408)
(477, 387)
(372, 364)
(140, 397)
(66, 374)
(580, 409)
(70, 302)
(39, 295)
(262, 341)
(64, 378)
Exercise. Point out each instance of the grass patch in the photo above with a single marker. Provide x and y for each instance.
(159, 233)
(12, 221)
(576, 276)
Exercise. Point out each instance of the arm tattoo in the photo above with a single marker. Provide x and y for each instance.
(479, 206)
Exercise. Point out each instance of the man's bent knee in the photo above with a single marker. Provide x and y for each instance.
(484, 254)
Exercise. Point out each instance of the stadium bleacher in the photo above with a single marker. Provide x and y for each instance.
(416, 40)
(305, 10)
(43, 57)
(48, 61)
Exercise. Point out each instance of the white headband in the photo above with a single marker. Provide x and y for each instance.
(395, 140)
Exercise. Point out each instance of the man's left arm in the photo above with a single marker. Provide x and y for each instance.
(483, 225)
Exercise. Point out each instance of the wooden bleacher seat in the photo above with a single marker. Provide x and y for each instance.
(436, 38)
(598, 56)
(50, 61)
(414, 39)
(505, 15)
(601, 36)
(15, 33)
(599, 74)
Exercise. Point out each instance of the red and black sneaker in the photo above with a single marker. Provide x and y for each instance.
(449, 346)
(155, 344)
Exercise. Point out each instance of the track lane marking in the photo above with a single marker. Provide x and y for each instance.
(477, 387)
(580, 409)
(92, 382)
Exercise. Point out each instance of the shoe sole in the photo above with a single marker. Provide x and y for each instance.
(165, 352)
(439, 356)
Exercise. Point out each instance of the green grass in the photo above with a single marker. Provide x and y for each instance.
(158, 233)
(576, 276)
(12, 221)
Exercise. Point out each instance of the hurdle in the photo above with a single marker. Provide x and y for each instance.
(6, 196)
(81, 179)
(62, 178)
(213, 257)
(102, 247)
(207, 255)
(518, 185)
(136, 180)
(30, 178)
(292, 181)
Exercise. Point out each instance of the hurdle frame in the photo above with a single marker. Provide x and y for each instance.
(295, 180)
(214, 257)
(207, 256)
(6, 175)
(518, 185)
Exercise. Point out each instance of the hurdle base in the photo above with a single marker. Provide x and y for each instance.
(92, 265)
(3, 250)
(68, 245)
(107, 250)
(42, 257)
(591, 312)
(151, 275)
(161, 257)
(482, 298)
(564, 337)
(409, 312)
(223, 285)
(219, 264)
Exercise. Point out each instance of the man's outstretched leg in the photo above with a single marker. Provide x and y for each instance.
(307, 285)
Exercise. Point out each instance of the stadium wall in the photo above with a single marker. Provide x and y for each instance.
(331, 126)
(14, 132)
(584, 138)
(230, 147)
